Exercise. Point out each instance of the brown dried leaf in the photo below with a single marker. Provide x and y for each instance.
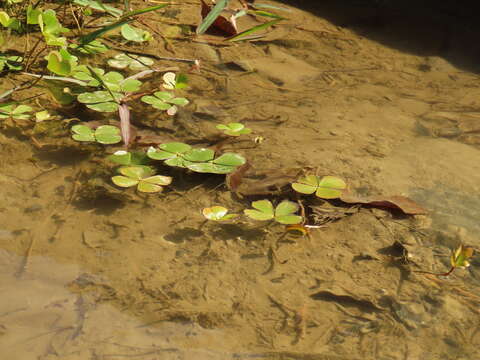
(402, 203)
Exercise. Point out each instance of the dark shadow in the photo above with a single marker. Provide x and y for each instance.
(103, 204)
(184, 234)
(449, 29)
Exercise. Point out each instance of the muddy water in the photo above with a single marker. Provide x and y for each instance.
(91, 272)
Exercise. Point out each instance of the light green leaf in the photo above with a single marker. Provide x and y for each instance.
(286, 208)
(124, 181)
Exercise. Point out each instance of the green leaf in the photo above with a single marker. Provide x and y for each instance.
(263, 206)
(104, 107)
(133, 62)
(5, 19)
(82, 133)
(289, 219)
(212, 16)
(230, 159)
(258, 215)
(159, 180)
(124, 181)
(121, 157)
(131, 33)
(175, 147)
(252, 30)
(201, 167)
(217, 213)
(199, 155)
(130, 85)
(179, 101)
(108, 134)
(136, 172)
(286, 208)
(330, 187)
(147, 187)
(307, 184)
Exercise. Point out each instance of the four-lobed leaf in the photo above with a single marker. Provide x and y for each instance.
(133, 62)
(327, 187)
(284, 213)
(105, 134)
(141, 176)
(15, 112)
(164, 100)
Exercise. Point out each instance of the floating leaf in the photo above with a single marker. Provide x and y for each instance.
(133, 62)
(230, 159)
(217, 213)
(82, 133)
(264, 210)
(327, 187)
(283, 213)
(107, 134)
(131, 33)
(234, 129)
(199, 155)
(143, 177)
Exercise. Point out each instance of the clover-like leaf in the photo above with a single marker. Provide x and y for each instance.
(143, 177)
(10, 111)
(263, 210)
(100, 100)
(82, 133)
(164, 100)
(217, 213)
(108, 134)
(133, 62)
(234, 129)
(327, 187)
(284, 213)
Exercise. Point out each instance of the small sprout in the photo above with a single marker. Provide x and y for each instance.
(172, 81)
(141, 176)
(163, 100)
(234, 129)
(42, 116)
(10, 111)
(327, 187)
(131, 33)
(460, 257)
(133, 62)
(217, 213)
(105, 134)
(283, 213)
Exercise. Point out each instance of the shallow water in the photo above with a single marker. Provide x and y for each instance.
(92, 272)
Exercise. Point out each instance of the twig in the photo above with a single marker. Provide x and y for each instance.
(75, 81)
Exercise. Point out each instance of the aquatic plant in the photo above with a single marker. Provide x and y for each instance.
(234, 129)
(327, 187)
(123, 157)
(164, 100)
(133, 62)
(141, 176)
(217, 213)
(196, 159)
(10, 110)
(284, 213)
(105, 134)
(131, 33)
